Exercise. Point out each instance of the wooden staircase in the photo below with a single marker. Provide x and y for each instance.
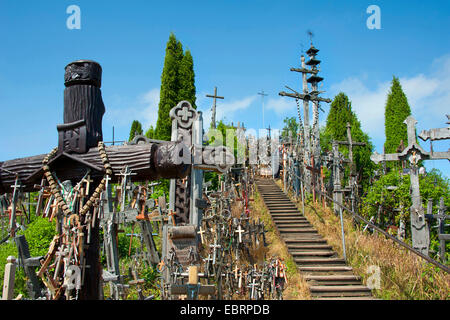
(328, 276)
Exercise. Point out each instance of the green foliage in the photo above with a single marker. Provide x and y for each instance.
(221, 135)
(161, 189)
(177, 83)
(39, 234)
(290, 128)
(187, 79)
(396, 111)
(136, 129)
(150, 133)
(214, 178)
(432, 186)
(336, 129)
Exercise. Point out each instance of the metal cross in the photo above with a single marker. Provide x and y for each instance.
(126, 173)
(262, 94)
(201, 232)
(413, 152)
(240, 231)
(213, 115)
(215, 246)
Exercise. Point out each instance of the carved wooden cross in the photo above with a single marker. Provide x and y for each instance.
(79, 150)
(414, 152)
(308, 96)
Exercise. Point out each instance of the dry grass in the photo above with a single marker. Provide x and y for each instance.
(403, 275)
(296, 288)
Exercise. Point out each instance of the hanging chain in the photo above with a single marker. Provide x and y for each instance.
(57, 192)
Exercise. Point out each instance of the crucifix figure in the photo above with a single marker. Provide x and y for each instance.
(414, 152)
(213, 115)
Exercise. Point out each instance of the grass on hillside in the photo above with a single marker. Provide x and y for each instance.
(403, 275)
(296, 288)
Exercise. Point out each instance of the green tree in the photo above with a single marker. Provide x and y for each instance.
(136, 129)
(433, 185)
(340, 114)
(170, 87)
(187, 79)
(396, 111)
(290, 126)
(150, 133)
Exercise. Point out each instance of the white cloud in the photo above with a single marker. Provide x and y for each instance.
(122, 111)
(428, 96)
(282, 105)
(367, 104)
(224, 109)
(150, 102)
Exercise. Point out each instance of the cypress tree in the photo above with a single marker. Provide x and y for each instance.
(396, 111)
(336, 129)
(340, 113)
(187, 79)
(170, 85)
(290, 126)
(136, 128)
(150, 133)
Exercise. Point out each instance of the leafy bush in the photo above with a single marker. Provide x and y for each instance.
(38, 234)
(396, 203)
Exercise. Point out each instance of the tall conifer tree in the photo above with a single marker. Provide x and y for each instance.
(187, 79)
(136, 128)
(170, 86)
(396, 111)
(336, 129)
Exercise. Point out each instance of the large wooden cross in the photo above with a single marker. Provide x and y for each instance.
(310, 147)
(79, 151)
(413, 153)
(213, 109)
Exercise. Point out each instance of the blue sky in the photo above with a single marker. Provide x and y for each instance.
(242, 47)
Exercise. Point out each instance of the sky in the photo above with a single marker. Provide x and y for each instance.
(240, 47)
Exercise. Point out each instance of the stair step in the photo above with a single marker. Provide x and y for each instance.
(336, 283)
(325, 268)
(291, 222)
(305, 230)
(339, 289)
(286, 214)
(292, 225)
(300, 225)
(328, 276)
(319, 261)
(309, 246)
(305, 241)
(345, 295)
(338, 277)
(347, 298)
(312, 253)
(297, 219)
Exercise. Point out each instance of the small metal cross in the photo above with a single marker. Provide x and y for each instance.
(240, 231)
